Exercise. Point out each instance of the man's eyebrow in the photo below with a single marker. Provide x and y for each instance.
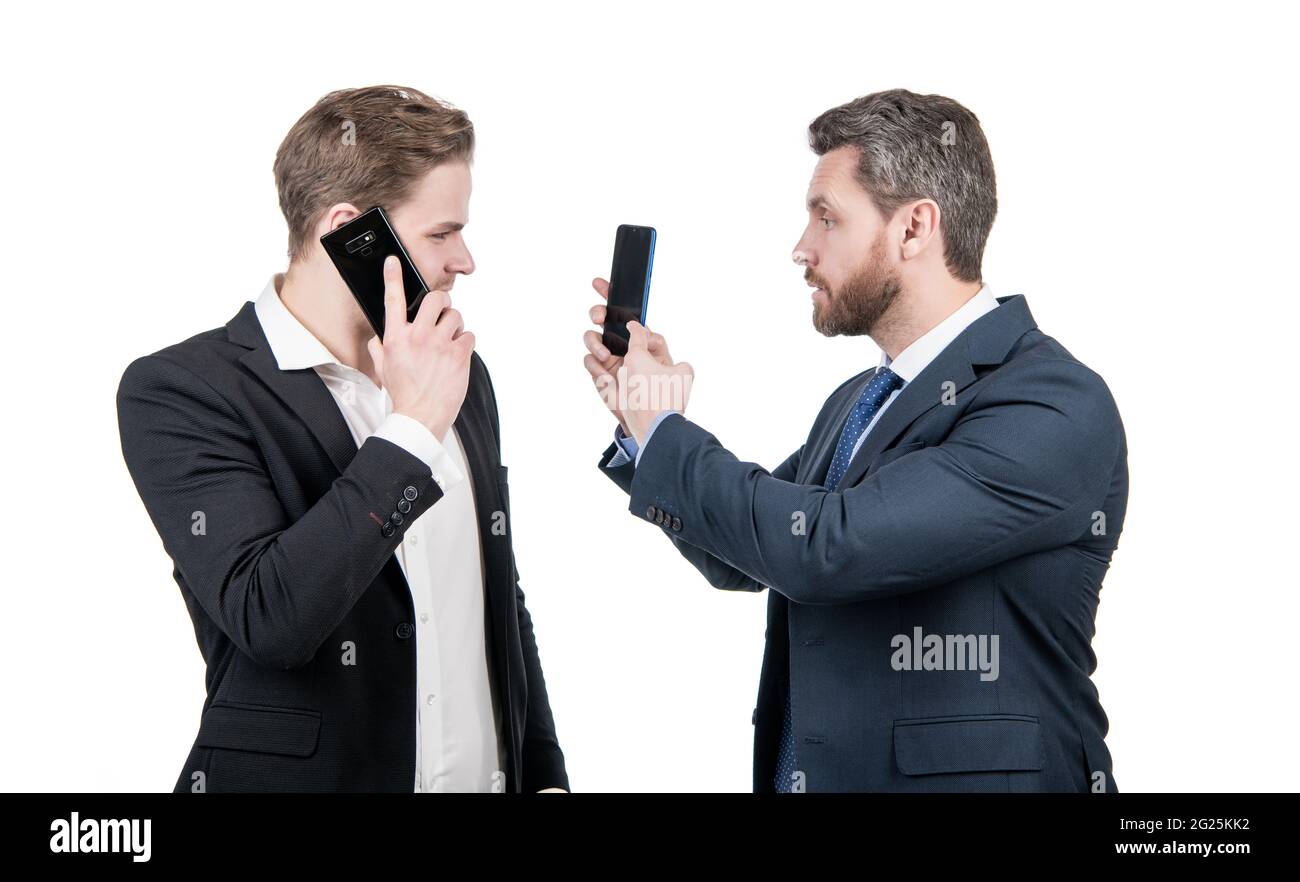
(451, 226)
(818, 201)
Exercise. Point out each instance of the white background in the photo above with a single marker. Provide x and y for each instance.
(1145, 158)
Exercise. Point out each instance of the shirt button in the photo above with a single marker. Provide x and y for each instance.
(432, 698)
(424, 617)
(415, 540)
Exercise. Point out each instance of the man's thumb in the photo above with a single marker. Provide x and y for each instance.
(637, 337)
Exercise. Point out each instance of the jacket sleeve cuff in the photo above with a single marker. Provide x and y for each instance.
(544, 767)
(414, 437)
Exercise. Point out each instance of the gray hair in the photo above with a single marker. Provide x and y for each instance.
(920, 147)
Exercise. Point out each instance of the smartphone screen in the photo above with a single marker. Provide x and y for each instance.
(358, 249)
(629, 284)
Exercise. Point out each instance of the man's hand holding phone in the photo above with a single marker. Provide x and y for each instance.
(423, 364)
(639, 386)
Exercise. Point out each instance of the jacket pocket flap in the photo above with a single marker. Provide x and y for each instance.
(262, 729)
(990, 743)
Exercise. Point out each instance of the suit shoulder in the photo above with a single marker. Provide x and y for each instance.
(1041, 369)
(186, 362)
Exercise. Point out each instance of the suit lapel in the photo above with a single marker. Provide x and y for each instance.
(985, 342)
(474, 427)
(926, 390)
(830, 437)
(302, 391)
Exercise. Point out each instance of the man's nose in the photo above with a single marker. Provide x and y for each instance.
(802, 254)
(464, 263)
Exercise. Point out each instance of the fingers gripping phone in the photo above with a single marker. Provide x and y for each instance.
(629, 284)
(358, 249)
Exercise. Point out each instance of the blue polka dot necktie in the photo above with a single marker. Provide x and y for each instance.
(882, 385)
(878, 390)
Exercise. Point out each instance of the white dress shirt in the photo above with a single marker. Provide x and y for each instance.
(457, 744)
(926, 348)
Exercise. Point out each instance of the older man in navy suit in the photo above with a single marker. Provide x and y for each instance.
(935, 549)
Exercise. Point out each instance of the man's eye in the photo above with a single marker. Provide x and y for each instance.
(826, 220)
(438, 236)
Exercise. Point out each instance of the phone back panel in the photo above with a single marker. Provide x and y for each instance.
(358, 249)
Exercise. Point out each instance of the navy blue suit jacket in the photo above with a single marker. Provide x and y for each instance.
(986, 501)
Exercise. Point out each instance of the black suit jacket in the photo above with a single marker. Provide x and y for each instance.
(274, 520)
(987, 500)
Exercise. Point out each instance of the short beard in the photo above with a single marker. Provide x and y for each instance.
(859, 304)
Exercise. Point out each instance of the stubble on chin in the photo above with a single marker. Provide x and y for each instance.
(857, 309)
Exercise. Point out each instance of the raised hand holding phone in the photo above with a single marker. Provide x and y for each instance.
(423, 364)
(653, 383)
(603, 365)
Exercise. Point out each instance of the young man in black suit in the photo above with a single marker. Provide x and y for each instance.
(336, 507)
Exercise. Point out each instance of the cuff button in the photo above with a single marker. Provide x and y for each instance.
(410, 493)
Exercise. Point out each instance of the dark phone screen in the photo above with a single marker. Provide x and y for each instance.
(358, 249)
(629, 283)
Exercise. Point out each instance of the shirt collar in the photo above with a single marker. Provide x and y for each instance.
(292, 345)
(914, 359)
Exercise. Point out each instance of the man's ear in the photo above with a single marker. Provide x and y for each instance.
(336, 216)
(920, 227)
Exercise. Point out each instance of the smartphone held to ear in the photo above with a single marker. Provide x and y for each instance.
(358, 249)
(629, 284)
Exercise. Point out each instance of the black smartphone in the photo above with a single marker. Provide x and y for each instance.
(358, 249)
(629, 284)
